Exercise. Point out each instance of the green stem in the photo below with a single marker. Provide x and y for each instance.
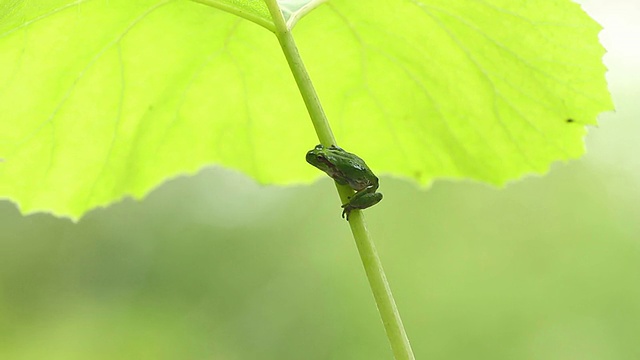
(368, 254)
(308, 92)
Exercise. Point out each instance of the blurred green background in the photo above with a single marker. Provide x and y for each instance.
(217, 267)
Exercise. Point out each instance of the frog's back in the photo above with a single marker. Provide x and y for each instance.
(357, 173)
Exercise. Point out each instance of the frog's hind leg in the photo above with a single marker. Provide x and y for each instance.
(361, 200)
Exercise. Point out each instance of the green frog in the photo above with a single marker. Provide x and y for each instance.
(347, 169)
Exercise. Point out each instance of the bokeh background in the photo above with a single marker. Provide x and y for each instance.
(217, 267)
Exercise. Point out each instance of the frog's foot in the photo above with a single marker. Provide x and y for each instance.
(346, 210)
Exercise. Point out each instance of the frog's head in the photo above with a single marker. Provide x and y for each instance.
(323, 158)
(318, 157)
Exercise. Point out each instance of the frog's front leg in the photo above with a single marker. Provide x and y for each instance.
(361, 200)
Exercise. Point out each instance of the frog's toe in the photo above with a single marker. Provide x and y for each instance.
(346, 210)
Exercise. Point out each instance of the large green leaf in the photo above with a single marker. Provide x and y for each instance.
(257, 11)
(104, 98)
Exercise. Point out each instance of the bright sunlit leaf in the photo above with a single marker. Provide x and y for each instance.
(106, 98)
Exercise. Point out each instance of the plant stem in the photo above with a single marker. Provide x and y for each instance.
(368, 254)
(308, 92)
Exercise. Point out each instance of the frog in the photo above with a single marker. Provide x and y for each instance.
(346, 168)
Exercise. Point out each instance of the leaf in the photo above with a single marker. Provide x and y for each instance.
(257, 11)
(252, 10)
(104, 98)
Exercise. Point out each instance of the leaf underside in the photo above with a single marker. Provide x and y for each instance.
(105, 98)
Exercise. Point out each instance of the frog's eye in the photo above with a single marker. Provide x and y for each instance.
(320, 157)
